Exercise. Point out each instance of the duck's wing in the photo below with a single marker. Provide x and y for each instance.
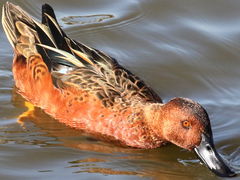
(72, 63)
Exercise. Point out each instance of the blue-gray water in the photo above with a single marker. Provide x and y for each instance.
(180, 48)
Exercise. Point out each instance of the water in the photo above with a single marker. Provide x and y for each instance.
(180, 48)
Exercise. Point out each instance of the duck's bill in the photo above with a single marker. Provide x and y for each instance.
(209, 156)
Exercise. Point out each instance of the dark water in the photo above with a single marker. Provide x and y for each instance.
(181, 48)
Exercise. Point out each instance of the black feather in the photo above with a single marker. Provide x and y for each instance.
(58, 34)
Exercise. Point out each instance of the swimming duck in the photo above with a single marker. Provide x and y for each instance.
(87, 89)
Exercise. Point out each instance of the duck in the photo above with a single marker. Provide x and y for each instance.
(86, 89)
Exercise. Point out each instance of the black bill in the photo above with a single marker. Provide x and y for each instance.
(209, 156)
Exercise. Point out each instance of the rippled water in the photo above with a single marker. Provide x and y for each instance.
(181, 48)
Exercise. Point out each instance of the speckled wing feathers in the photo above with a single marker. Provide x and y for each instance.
(110, 85)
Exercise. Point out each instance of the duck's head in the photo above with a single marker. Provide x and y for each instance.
(186, 124)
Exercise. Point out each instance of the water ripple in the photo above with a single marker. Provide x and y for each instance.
(90, 19)
(212, 28)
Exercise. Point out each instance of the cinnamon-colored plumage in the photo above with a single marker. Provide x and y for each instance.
(86, 89)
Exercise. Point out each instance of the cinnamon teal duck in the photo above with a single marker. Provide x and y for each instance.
(87, 89)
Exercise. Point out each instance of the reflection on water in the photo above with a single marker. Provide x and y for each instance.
(91, 19)
(188, 49)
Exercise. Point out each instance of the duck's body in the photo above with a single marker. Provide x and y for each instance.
(86, 89)
(81, 109)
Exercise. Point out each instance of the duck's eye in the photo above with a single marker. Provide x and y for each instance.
(186, 124)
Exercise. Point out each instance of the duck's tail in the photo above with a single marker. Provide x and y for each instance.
(29, 37)
(19, 28)
(23, 32)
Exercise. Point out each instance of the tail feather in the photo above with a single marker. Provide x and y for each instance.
(82, 52)
(23, 32)
(49, 19)
(12, 14)
(61, 39)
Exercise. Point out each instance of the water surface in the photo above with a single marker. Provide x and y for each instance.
(180, 48)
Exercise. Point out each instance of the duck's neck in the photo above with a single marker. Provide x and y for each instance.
(154, 115)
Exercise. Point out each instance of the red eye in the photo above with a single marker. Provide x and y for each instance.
(186, 124)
